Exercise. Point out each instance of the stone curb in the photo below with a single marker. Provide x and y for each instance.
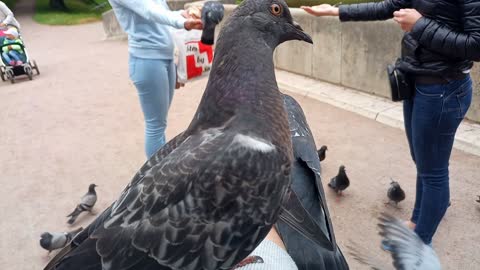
(376, 108)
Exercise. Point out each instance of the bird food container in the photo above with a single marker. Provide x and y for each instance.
(194, 59)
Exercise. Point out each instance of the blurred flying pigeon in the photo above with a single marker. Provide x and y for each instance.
(340, 182)
(304, 223)
(322, 152)
(408, 250)
(86, 204)
(56, 240)
(212, 14)
(395, 193)
(478, 199)
(208, 197)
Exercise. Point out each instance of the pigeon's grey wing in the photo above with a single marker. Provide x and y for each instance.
(89, 200)
(59, 240)
(408, 250)
(184, 214)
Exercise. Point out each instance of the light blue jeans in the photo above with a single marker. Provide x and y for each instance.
(155, 83)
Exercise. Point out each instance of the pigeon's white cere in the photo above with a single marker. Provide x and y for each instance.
(253, 143)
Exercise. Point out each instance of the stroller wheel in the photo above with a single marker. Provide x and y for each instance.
(29, 72)
(35, 66)
(2, 73)
(10, 75)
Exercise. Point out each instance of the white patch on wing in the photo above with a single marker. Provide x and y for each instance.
(253, 143)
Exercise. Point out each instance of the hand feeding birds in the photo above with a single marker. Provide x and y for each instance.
(407, 249)
(209, 197)
(86, 204)
(340, 182)
(55, 240)
(322, 152)
(395, 193)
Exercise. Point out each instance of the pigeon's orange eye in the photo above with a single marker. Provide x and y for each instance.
(276, 9)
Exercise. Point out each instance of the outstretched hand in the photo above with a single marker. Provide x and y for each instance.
(321, 10)
(406, 18)
(191, 24)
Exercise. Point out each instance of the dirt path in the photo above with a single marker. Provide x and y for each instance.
(79, 122)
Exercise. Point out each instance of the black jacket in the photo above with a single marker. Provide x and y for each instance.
(445, 40)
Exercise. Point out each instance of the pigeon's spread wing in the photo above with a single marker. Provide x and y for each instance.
(408, 250)
(180, 212)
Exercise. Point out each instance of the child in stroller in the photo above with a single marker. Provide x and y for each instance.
(14, 59)
(12, 49)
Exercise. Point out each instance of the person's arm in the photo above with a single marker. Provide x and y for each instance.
(8, 13)
(360, 12)
(373, 11)
(152, 11)
(444, 40)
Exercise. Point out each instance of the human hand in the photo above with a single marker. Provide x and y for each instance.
(10, 47)
(406, 18)
(193, 24)
(194, 12)
(321, 10)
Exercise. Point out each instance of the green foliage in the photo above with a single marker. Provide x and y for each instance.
(78, 12)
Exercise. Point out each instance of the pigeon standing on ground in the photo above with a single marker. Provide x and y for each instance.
(86, 204)
(304, 223)
(209, 196)
(408, 250)
(212, 14)
(340, 182)
(395, 193)
(322, 152)
(56, 240)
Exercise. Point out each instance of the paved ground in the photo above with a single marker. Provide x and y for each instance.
(80, 122)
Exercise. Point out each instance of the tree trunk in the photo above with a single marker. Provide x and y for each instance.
(58, 5)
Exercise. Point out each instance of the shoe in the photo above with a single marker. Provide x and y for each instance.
(11, 63)
(19, 63)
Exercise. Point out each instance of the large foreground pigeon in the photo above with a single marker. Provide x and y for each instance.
(305, 225)
(208, 197)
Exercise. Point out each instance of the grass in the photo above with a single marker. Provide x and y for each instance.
(78, 12)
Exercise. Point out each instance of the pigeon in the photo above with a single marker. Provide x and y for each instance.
(322, 152)
(340, 182)
(408, 250)
(86, 204)
(212, 14)
(395, 193)
(56, 240)
(478, 199)
(209, 196)
(304, 223)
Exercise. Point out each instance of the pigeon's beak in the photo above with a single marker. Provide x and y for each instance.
(299, 34)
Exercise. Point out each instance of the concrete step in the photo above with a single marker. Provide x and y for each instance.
(376, 108)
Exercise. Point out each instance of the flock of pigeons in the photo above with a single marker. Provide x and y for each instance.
(211, 194)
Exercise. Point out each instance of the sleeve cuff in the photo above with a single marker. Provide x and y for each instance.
(419, 27)
(180, 22)
(343, 13)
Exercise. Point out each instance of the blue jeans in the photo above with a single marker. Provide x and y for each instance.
(431, 121)
(155, 83)
(11, 55)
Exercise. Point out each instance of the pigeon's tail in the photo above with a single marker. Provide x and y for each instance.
(365, 257)
(74, 215)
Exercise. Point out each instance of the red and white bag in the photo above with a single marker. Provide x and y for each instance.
(194, 59)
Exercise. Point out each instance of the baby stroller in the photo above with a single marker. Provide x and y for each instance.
(9, 72)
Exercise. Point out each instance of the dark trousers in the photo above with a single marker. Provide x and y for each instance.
(431, 121)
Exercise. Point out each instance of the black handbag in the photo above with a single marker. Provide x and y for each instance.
(401, 85)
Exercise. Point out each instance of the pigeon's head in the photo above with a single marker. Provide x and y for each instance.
(394, 184)
(92, 187)
(324, 148)
(273, 21)
(342, 168)
(45, 240)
